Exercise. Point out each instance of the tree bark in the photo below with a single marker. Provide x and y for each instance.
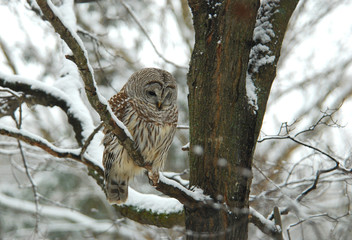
(221, 123)
(224, 125)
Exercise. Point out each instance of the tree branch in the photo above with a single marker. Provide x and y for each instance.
(48, 147)
(85, 222)
(168, 186)
(99, 103)
(36, 93)
(265, 225)
(272, 21)
(337, 166)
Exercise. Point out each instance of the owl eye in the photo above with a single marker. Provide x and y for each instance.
(151, 93)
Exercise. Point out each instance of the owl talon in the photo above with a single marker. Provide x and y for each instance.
(153, 178)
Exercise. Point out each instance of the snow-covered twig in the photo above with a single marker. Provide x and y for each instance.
(182, 126)
(265, 225)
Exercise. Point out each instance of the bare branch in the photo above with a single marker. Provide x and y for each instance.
(315, 183)
(8, 56)
(34, 187)
(322, 121)
(129, 10)
(90, 138)
(326, 215)
(337, 166)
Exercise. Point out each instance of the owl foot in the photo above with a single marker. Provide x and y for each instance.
(117, 190)
(153, 178)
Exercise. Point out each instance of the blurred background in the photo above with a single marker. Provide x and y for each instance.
(310, 100)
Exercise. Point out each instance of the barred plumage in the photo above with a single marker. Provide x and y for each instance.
(147, 106)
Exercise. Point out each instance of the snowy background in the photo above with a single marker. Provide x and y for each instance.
(313, 79)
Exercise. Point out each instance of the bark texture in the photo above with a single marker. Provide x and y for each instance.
(224, 125)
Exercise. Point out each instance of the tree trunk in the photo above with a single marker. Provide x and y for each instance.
(222, 123)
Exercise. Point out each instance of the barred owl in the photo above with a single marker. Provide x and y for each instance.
(147, 106)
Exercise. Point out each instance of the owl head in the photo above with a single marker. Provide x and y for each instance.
(155, 87)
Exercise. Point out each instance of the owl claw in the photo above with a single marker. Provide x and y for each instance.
(153, 178)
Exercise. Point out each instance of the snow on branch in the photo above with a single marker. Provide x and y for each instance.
(141, 202)
(260, 54)
(80, 58)
(57, 213)
(138, 205)
(36, 92)
(99, 103)
(265, 225)
(268, 34)
(42, 143)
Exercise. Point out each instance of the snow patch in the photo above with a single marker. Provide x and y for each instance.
(152, 202)
(260, 54)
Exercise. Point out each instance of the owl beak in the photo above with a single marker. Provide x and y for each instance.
(159, 104)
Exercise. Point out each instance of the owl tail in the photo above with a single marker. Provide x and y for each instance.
(116, 190)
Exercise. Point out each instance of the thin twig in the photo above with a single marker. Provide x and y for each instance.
(295, 165)
(129, 10)
(267, 178)
(301, 143)
(7, 54)
(90, 138)
(55, 203)
(335, 219)
(34, 188)
(315, 183)
(29, 176)
(321, 122)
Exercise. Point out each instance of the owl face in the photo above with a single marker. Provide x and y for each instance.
(159, 95)
(153, 86)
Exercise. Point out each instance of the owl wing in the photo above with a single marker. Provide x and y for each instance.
(116, 187)
(118, 104)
